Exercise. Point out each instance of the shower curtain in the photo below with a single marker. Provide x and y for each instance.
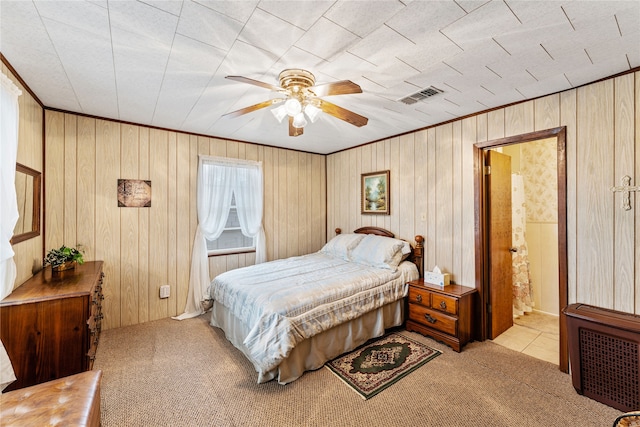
(522, 292)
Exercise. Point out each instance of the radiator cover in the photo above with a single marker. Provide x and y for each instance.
(604, 352)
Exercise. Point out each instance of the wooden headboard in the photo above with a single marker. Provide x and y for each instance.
(417, 250)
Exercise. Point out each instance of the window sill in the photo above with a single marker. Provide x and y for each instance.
(230, 252)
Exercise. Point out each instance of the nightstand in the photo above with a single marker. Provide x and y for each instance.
(443, 314)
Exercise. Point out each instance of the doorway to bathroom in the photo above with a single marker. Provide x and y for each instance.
(535, 242)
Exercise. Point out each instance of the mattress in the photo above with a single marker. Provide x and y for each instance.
(269, 309)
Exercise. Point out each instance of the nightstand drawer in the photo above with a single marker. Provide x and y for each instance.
(444, 303)
(420, 296)
(433, 319)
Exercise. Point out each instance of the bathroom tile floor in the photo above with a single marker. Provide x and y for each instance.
(535, 334)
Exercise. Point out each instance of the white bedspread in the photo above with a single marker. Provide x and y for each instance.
(286, 301)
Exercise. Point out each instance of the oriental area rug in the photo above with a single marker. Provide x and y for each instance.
(380, 363)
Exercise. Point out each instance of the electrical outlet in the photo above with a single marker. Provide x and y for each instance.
(164, 291)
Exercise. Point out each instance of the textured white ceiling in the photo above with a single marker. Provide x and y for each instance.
(163, 63)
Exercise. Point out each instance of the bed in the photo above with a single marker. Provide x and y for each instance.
(292, 315)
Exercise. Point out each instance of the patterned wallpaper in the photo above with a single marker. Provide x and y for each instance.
(539, 169)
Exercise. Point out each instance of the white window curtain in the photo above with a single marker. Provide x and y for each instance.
(9, 111)
(249, 201)
(218, 180)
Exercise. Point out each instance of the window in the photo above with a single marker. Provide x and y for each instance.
(229, 202)
(230, 206)
(231, 240)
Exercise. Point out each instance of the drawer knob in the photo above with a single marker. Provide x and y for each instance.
(443, 305)
(430, 319)
(419, 298)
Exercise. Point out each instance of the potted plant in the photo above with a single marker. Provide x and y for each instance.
(64, 258)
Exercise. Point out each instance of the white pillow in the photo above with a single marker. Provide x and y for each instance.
(381, 252)
(342, 245)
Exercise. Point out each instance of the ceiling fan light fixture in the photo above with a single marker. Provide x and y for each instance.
(293, 107)
(312, 112)
(279, 113)
(299, 121)
(301, 99)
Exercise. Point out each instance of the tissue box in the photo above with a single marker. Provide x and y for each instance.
(438, 279)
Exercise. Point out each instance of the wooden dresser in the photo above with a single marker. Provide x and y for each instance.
(444, 314)
(50, 325)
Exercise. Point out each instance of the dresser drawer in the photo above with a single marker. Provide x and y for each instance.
(433, 319)
(444, 303)
(96, 300)
(420, 296)
(96, 304)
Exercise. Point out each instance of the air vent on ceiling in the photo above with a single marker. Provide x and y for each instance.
(419, 96)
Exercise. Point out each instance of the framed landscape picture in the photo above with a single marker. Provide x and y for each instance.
(375, 193)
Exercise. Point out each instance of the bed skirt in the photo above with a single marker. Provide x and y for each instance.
(313, 352)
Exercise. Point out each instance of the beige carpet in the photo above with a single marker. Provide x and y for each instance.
(172, 373)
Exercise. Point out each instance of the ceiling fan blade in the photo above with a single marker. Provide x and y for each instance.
(252, 108)
(254, 82)
(342, 87)
(294, 131)
(343, 114)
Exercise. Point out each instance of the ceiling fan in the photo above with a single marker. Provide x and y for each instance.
(301, 99)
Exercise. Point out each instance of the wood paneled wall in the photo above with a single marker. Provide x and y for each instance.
(145, 248)
(28, 253)
(431, 194)
(432, 186)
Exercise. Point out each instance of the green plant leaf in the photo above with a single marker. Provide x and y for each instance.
(64, 254)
